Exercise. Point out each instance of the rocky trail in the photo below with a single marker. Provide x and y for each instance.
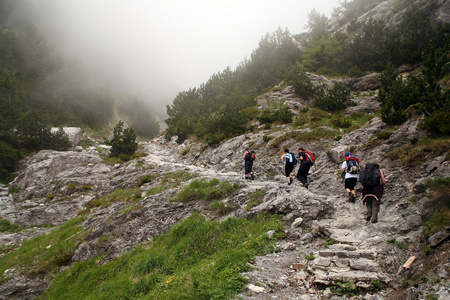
(350, 257)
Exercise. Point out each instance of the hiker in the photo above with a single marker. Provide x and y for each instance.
(303, 170)
(248, 158)
(372, 180)
(351, 175)
(289, 161)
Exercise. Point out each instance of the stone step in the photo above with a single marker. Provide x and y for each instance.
(338, 264)
(346, 263)
(361, 277)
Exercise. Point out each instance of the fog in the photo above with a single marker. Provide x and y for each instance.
(156, 49)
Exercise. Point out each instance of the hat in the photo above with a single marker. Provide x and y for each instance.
(347, 154)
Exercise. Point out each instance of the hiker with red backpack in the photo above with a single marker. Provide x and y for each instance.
(307, 159)
(249, 157)
(372, 179)
(350, 167)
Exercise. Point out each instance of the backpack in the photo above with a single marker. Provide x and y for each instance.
(248, 156)
(310, 157)
(370, 176)
(253, 155)
(290, 158)
(353, 166)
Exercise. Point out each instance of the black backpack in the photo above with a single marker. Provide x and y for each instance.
(370, 176)
(248, 156)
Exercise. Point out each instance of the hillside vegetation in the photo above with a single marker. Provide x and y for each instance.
(223, 106)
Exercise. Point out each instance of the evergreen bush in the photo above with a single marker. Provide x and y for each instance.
(336, 98)
(123, 141)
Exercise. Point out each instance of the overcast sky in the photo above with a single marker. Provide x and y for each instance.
(158, 48)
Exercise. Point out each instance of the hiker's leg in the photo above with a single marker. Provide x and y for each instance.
(248, 169)
(301, 174)
(369, 208)
(350, 184)
(288, 169)
(347, 185)
(306, 172)
(375, 210)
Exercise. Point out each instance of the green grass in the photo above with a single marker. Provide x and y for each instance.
(329, 242)
(6, 225)
(417, 153)
(310, 257)
(196, 259)
(44, 255)
(166, 181)
(304, 136)
(315, 118)
(205, 190)
(220, 208)
(255, 199)
(124, 195)
(440, 187)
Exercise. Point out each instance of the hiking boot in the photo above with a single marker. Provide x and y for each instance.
(350, 197)
(354, 199)
(289, 183)
(305, 185)
(252, 176)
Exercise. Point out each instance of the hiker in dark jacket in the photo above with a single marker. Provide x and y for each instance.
(372, 198)
(248, 164)
(289, 164)
(303, 170)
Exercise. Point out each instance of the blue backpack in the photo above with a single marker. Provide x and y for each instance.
(353, 166)
(290, 158)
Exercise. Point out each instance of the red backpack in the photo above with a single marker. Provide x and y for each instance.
(310, 157)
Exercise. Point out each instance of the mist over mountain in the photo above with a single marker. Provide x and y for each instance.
(156, 49)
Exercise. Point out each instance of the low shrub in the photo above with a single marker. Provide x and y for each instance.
(342, 288)
(336, 98)
(340, 122)
(383, 135)
(266, 138)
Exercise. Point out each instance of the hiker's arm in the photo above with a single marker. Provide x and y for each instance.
(282, 157)
(383, 179)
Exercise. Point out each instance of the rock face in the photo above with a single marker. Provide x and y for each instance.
(391, 13)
